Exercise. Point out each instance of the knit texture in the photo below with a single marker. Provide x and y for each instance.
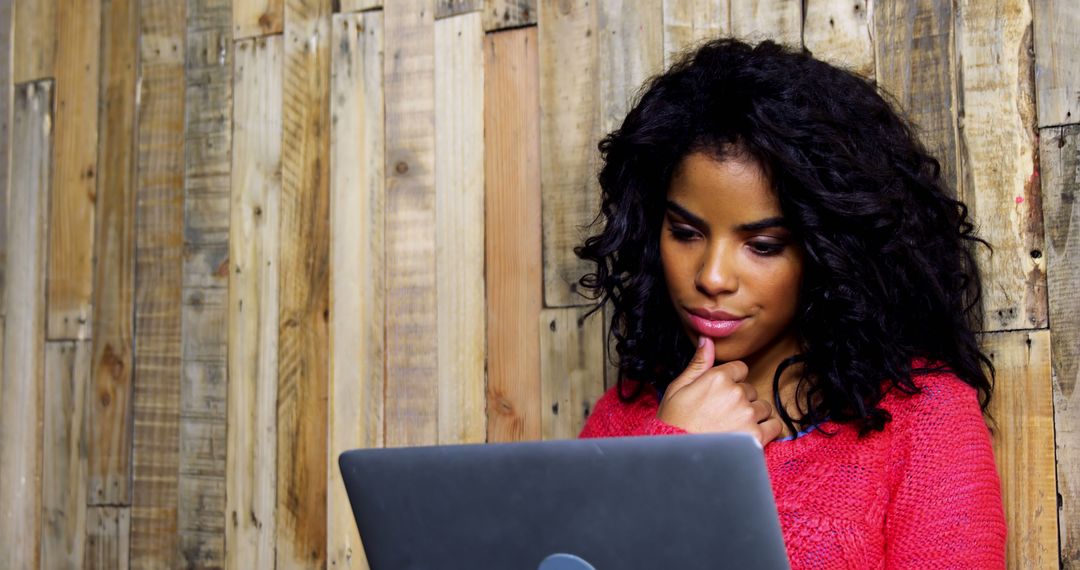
(923, 493)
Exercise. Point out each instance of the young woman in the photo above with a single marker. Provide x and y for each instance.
(783, 259)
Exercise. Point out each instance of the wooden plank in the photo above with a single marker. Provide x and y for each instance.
(108, 533)
(6, 21)
(838, 31)
(1057, 77)
(254, 18)
(687, 23)
(411, 337)
(503, 14)
(207, 134)
(22, 383)
(158, 285)
(1022, 409)
(569, 130)
(63, 484)
(631, 51)
(71, 211)
(459, 228)
(357, 246)
(109, 416)
(514, 271)
(304, 304)
(914, 59)
(1059, 160)
(571, 369)
(448, 8)
(34, 49)
(358, 5)
(777, 20)
(251, 442)
(1001, 184)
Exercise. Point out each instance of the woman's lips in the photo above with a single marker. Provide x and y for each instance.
(714, 328)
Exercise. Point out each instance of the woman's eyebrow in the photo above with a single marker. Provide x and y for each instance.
(685, 214)
(774, 222)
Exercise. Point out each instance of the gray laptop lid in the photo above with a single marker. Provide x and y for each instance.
(688, 501)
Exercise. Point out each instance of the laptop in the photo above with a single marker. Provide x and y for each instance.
(685, 501)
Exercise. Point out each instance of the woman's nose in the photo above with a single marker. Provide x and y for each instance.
(717, 272)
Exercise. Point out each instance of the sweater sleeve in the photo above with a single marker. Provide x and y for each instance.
(612, 417)
(945, 508)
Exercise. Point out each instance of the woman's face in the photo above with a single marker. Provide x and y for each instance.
(731, 265)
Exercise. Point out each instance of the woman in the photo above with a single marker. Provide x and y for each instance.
(783, 259)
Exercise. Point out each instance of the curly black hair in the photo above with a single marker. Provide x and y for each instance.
(890, 287)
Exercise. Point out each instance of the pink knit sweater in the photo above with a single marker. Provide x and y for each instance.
(924, 493)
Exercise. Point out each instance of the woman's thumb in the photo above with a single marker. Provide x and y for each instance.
(703, 360)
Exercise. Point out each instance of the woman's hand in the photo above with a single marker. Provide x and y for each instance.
(716, 399)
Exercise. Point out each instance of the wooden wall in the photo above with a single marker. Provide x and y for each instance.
(239, 237)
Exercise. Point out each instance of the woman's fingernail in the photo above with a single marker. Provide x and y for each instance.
(701, 341)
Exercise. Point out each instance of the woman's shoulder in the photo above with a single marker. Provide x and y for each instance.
(941, 398)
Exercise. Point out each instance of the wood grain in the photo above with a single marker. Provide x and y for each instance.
(357, 251)
(503, 14)
(569, 131)
(109, 413)
(838, 31)
(22, 383)
(303, 349)
(631, 51)
(254, 18)
(777, 20)
(1059, 160)
(63, 481)
(254, 217)
(514, 273)
(571, 369)
(204, 346)
(1001, 182)
(687, 23)
(459, 228)
(108, 532)
(358, 5)
(6, 24)
(34, 47)
(411, 336)
(448, 8)
(1022, 407)
(71, 212)
(914, 45)
(1057, 76)
(158, 285)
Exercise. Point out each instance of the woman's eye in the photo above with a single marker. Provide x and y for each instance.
(766, 248)
(681, 234)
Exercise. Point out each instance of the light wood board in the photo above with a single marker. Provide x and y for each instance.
(688, 23)
(254, 18)
(254, 214)
(571, 369)
(108, 533)
(838, 31)
(1057, 75)
(34, 45)
(502, 14)
(357, 250)
(514, 272)
(777, 20)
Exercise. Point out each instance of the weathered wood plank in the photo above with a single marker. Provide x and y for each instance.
(1059, 160)
(1057, 76)
(254, 18)
(34, 48)
(108, 533)
(22, 383)
(358, 5)
(459, 228)
(1022, 408)
(411, 336)
(358, 280)
(63, 484)
(687, 23)
(571, 369)
(838, 31)
(631, 51)
(158, 285)
(514, 272)
(74, 187)
(109, 414)
(304, 304)
(207, 134)
(1001, 182)
(914, 59)
(777, 20)
(251, 443)
(448, 8)
(501, 14)
(6, 22)
(569, 130)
